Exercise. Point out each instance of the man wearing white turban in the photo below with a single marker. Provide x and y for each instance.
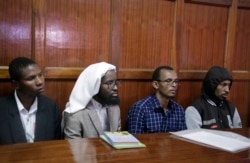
(93, 106)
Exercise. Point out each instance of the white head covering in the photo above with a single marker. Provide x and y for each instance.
(87, 85)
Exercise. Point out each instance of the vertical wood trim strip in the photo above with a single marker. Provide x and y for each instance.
(231, 32)
(33, 38)
(115, 28)
(39, 31)
(173, 45)
(177, 31)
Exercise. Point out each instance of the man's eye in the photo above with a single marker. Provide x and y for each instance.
(41, 75)
(168, 80)
(30, 78)
(224, 84)
(109, 82)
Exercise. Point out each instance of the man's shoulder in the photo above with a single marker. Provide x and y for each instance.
(230, 104)
(7, 105)
(8, 98)
(200, 104)
(76, 115)
(145, 101)
(3, 99)
(198, 100)
(45, 99)
(176, 105)
(47, 103)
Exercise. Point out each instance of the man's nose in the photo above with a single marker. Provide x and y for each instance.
(115, 87)
(227, 88)
(39, 80)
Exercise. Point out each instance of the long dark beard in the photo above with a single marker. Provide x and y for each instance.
(107, 100)
(112, 100)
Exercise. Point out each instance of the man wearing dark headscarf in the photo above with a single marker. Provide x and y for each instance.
(212, 110)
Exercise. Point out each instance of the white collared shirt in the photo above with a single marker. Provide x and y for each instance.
(28, 118)
(102, 114)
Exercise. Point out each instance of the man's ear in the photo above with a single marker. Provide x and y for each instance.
(15, 84)
(155, 84)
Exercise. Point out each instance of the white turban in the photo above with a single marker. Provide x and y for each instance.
(87, 85)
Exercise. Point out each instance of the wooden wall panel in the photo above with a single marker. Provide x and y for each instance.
(241, 65)
(5, 87)
(15, 30)
(76, 33)
(59, 91)
(239, 95)
(146, 30)
(188, 91)
(242, 41)
(203, 36)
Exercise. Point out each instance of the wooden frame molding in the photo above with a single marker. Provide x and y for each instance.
(60, 73)
(213, 3)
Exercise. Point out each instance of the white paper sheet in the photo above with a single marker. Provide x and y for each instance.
(224, 140)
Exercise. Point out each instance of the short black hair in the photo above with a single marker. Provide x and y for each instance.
(156, 73)
(17, 65)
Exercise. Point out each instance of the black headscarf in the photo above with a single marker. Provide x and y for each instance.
(213, 78)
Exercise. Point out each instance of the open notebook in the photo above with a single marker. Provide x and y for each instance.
(224, 140)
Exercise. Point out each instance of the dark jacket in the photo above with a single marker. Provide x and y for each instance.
(47, 121)
(215, 116)
(210, 111)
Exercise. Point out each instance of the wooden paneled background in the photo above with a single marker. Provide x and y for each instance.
(135, 35)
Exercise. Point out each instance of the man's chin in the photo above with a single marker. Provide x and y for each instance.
(170, 97)
(223, 97)
(114, 101)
